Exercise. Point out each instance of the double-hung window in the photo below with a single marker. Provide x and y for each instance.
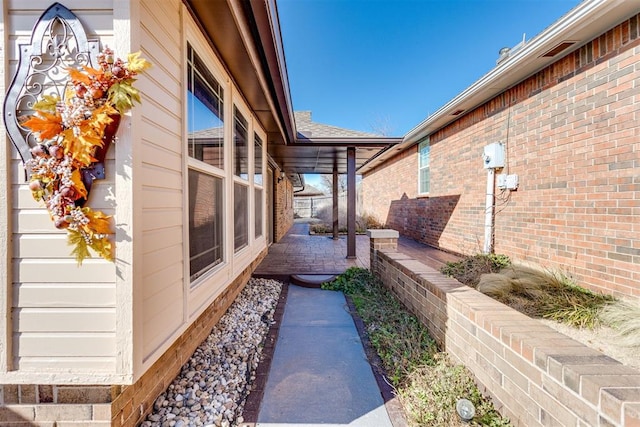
(241, 184)
(424, 176)
(205, 112)
(257, 181)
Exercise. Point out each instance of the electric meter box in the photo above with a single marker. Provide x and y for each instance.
(493, 156)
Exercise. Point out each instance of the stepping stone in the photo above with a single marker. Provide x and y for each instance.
(311, 280)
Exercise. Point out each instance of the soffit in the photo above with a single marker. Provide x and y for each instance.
(320, 155)
(247, 38)
(233, 42)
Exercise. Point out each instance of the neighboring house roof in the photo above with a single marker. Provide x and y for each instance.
(307, 128)
(211, 133)
(580, 25)
(309, 190)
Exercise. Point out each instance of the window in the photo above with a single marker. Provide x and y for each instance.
(257, 155)
(424, 176)
(240, 144)
(241, 216)
(204, 113)
(205, 222)
(258, 212)
(257, 179)
(206, 164)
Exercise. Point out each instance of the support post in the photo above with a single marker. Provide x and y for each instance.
(351, 202)
(334, 185)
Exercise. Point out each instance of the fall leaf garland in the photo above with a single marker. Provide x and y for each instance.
(69, 131)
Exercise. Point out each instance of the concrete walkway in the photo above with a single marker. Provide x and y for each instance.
(319, 373)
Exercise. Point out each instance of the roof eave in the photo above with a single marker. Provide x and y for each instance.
(583, 23)
(246, 36)
(267, 24)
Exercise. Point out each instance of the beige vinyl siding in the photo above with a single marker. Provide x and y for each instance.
(162, 177)
(61, 318)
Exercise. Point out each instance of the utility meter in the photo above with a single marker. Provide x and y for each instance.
(493, 156)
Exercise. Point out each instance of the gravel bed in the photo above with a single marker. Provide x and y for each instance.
(212, 386)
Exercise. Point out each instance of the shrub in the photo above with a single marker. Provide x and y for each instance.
(469, 269)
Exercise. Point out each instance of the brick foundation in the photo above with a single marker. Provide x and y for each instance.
(535, 375)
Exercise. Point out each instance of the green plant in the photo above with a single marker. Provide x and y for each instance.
(432, 392)
(425, 380)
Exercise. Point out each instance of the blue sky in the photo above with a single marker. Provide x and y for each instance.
(385, 65)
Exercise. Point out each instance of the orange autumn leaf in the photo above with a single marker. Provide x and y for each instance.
(82, 147)
(92, 71)
(46, 125)
(98, 222)
(78, 185)
(78, 76)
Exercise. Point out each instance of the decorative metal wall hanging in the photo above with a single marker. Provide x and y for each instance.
(62, 112)
(58, 43)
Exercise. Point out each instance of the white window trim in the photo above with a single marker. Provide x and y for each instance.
(426, 141)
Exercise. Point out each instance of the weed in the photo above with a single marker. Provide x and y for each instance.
(426, 382)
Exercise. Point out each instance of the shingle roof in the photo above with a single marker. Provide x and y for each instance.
(307, 128)
(210, 133)
(309, 190)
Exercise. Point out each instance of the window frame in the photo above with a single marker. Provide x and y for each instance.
(193, 163)
(424, 142)
(244, 180)
(258, 185)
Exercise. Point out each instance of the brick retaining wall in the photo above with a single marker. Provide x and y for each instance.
(535, 375)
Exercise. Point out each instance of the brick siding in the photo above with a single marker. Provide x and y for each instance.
(535, 375)
(571, 135)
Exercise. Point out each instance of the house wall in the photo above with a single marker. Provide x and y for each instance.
(108, 324)
(535, 375)
(571, 135)
(58, 320)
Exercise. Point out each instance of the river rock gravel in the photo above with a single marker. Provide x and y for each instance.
(212, 386)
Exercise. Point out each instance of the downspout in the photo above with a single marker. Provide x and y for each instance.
(493, 158)
(488, 211)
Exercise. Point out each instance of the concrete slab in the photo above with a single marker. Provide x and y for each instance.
(311, 280)
(319, 373)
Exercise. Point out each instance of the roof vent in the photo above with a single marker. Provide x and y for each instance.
(506, 52)
(559, 48)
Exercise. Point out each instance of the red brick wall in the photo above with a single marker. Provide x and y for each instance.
(571, 134)
(535, 375)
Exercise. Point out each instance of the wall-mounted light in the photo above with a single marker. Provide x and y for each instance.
(281, 176)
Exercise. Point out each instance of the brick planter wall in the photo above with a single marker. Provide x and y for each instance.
(536, 375)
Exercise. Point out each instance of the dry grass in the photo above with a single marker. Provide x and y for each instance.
(624, 317)
(541, 293)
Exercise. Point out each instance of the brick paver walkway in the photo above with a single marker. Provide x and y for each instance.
(301, 253)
